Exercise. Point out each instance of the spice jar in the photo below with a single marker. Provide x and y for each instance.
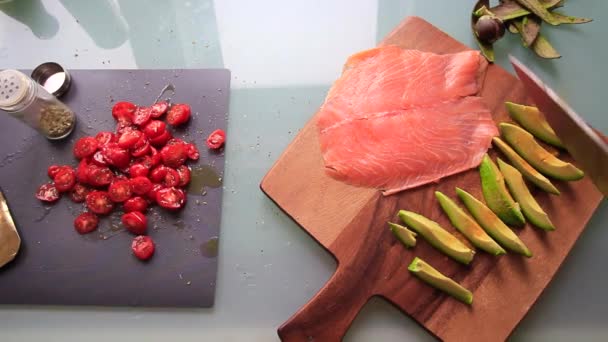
(23, 98)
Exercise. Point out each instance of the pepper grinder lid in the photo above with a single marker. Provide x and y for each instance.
(13, 87)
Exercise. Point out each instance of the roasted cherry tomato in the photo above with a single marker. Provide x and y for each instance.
(79, 193)
(154, 128)
(159, 108)
(120, 191)
(138, 170)
(135, 222)
(216, 139)
(170, 198)
(174, 155)
(178, 114)
(141, 185)
(65, 179)
(184, 175)
(86, 223)
(47, 193)
(143, 247)
(85, 147)
(123, 111)
(99, 202)
(136, 203)
(142, 115)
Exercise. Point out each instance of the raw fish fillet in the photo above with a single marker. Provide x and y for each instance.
(397, 119)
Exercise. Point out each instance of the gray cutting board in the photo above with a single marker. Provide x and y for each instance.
(58, 266)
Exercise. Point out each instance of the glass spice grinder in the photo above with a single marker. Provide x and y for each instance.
(24, 99)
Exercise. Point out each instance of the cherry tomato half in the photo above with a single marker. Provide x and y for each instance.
(116, 156)
(123, 111)
(143, 247)
(174, 155)
(141, 185)
(120, 191)
(65, 179)
(135, 222)
(159, 108)
(86, 223)
(85, 147)
(99, 202)
(53, 170)
(170, 198)
(142, 115)
(79, 193)
(105, 137)
(161, 140)
(216, 139)
(184, 175)
(154, 128)
(178, 114)
(138, 170)
(136, 203)
(47, 193)
(129, 138)
(99, 175)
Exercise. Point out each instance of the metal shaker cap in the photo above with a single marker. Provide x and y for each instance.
(53, 78)
(14, 86)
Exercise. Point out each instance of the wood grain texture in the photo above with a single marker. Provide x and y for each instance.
(350, 223)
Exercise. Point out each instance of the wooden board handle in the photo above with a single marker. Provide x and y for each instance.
(330, 313)
(361, 250)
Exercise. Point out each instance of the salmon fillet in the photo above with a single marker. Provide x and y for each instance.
(397, 119)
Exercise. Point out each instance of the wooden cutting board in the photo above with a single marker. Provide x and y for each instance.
(350, 223)
(60, 267)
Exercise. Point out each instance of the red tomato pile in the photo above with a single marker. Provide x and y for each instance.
(138, 165)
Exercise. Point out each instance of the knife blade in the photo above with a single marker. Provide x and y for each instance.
(10, 242)
(581, 141)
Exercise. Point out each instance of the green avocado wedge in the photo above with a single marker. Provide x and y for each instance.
(468, 226)
(526, 169)
(534, 122)
(531, 209)
(543, 161)
(496, 194)
(406, 236)
(492, 224)
(427, 273)
(437, 236)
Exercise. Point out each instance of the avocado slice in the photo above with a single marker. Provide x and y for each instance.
(526, 169)
(437, 236)
(496, 194)
(549, 165)
(492, 224)
(533, 212)
(534, 122)
(467, 226)
(406, 236)
(427, 273)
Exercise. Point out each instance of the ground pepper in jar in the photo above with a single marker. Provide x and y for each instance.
(26, 100)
